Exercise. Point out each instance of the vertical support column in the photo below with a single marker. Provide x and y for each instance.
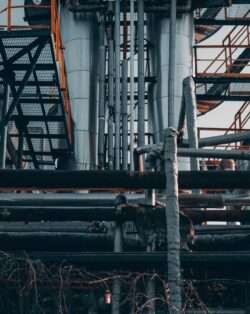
(141, 83)
(190, 104)
(111, 104)
(117, 85)
(102, 63)
(172, 220)
(125, 115)
(20, 150)
(4, 129)
(117, 283)
(171, 77)
(132, 52)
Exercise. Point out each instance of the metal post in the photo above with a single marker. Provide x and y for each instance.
(117, 85)
(125, 115)
(141, 86)
(132, 52)
(20, 149)
(117, 284)
(111, 105)
(172, 220)
(190, 103)
(3, 135)
(171, 64)
(102, 54)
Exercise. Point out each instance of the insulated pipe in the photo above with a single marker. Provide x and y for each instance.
(117, 85)
(191, 114)
(111, 105)
(132, 52)
(3, 136)
(125, 115)
(141, 83)
(172, 216)
(171, 69)
(80, 40)
(102, 63)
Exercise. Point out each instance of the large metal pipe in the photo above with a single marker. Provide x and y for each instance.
(171, 64)
(61, 241)
(117, 85)
(111, 105)
(172, 216)
(141, 83)
(159, 36)
(191, 114)
(125, 115)
(80, 40)
(102, 63)
(73, 180)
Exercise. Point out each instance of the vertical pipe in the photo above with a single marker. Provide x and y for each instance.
(20, 150)
(172, 220)
(125, 115)
(171, 77)
(102, 59)
(190, 104)
(132, 52)
(141, 86)
(117, 283)
(157, 130)
(111, 104)
(117, 85)
(3, 135)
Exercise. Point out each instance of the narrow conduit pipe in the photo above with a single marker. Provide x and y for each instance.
(117, 85)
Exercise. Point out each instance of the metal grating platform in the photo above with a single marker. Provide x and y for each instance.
(36, 106)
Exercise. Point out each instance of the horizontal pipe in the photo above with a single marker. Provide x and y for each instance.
(139, 260)
(118, 180)
(211, 153)
(200, 216)
(62, 241)
(221, 242)
(203, 153)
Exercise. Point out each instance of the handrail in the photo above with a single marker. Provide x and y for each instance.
(54, 26)
(237, 38)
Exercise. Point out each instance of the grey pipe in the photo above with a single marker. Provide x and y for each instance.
(224, 139)
(111, 105)
(125, 115)
(141, 83)
(102, 54)
(172, 220)
(117, 85)
(211, 153)
(3, 135)
(190, 104)
(132, 50)
(171, 77)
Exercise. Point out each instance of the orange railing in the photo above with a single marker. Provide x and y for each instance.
(223, 63)
(56, 32)
(240, 123)
(54, 26)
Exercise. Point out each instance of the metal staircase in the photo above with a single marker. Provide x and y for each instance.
(38, 115)
(224, 75)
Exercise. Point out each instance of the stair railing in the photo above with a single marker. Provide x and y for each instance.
(57, 39)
